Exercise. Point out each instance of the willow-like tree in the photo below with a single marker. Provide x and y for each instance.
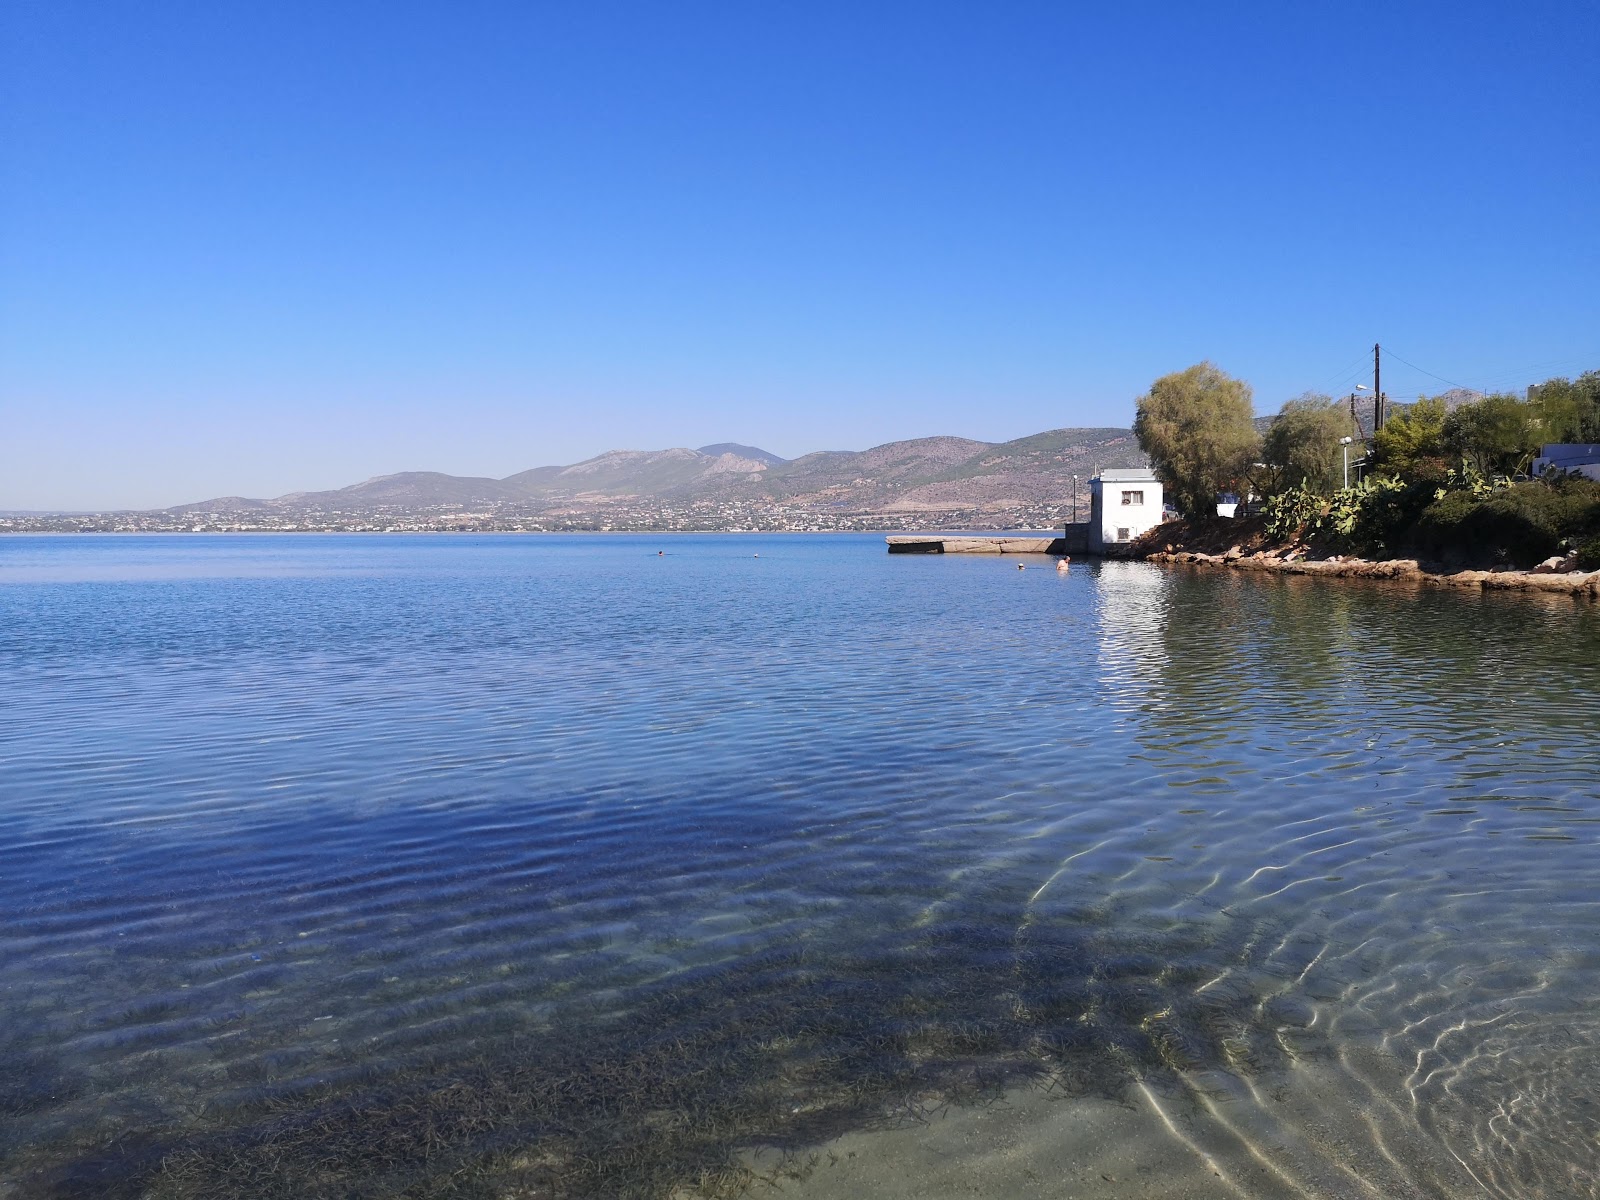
(1196, 427)
(1302, 444)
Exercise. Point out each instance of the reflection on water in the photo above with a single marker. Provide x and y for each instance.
(545, 866)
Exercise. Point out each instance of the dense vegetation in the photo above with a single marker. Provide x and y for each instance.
(1438, 482)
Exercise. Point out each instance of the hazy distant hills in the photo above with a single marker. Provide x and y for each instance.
(935, 474)
(736, 449)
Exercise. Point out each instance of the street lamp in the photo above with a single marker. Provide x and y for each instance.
(1355, 420)
(1344, 445)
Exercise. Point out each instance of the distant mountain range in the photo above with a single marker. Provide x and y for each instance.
(934, 475)
(937, 482)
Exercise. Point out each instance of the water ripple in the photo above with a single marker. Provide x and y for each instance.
(453, 866)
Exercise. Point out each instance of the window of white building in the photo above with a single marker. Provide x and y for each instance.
(1133, 497)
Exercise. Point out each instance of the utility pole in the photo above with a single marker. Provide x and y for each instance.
(1377, 389)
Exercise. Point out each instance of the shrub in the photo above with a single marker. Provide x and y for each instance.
(1579, 503)
(1386, 514)
(1470, 519)
(1522, 524)
(1460, 526)
(1589, 554)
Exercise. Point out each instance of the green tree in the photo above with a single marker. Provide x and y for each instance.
(1411, 443)
(1302, 445)
(1195, 426)
(1499, 435)
(1588, 384)
(1568, 409)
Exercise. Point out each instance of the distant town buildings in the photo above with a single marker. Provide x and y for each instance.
(635, 516)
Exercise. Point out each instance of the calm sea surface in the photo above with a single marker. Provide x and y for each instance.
(465, 866)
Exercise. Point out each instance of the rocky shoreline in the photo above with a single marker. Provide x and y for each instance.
(1548, 578)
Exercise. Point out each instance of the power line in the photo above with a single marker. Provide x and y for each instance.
(1339, 381)
(1545, 369)
(1343, 375)
(1431, 375)
(1502, 378)
(1590, 360)
(1350, 376)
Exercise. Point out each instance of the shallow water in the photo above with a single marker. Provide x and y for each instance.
(373, 866)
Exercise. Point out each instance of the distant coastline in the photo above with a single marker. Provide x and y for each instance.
(864, 531)
(922, 483)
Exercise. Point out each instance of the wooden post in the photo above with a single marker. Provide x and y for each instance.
(1377, 389)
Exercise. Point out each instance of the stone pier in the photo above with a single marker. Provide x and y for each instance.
(924, 543)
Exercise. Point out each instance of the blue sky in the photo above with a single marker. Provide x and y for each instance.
(251, 248)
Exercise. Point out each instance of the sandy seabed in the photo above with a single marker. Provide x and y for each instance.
(1323, 1133)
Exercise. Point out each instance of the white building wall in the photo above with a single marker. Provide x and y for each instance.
(1582, 458)
(1122, 505)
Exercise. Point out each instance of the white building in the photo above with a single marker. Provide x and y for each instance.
(1122, 504)
(1580, 457)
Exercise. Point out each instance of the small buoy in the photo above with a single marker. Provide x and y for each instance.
(1022, 566)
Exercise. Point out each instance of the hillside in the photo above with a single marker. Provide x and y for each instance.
(935, 475)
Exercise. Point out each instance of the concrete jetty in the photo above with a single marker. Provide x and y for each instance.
(922, 543)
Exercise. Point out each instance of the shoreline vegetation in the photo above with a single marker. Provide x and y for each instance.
(1447, 491)
(1242, 545)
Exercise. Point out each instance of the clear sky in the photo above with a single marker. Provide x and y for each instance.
(248, 248)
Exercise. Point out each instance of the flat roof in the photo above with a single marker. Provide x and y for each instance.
(1571, 451)
(1128, 475)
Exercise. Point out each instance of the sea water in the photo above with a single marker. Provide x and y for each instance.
(492, 866)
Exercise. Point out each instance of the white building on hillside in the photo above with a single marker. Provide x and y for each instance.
(1122, 504)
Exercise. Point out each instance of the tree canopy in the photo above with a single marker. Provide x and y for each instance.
(1498, 435)
(1569, 409)
(1494, 435)
(1302, 444)
(1411, 443)
(1196, 427)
